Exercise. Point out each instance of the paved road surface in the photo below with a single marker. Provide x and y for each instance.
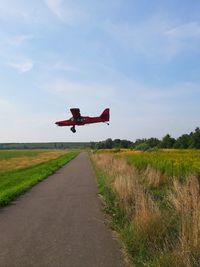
(59, 223)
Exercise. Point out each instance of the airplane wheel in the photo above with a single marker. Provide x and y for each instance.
(73, 129)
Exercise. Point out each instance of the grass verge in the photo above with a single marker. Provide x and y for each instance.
(119, 220)
(14, 183)
(154, 235)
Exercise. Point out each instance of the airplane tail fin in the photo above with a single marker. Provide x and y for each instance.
(105, 115)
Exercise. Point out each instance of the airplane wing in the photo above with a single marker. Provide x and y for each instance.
(76, 113)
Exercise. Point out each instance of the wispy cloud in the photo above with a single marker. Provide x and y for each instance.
(64, 67)
(7, 109)
(24, 11)
(137, 94)
(185, 31)
(22, 66)
(156, 37)
(19, 39)
(4, 103)
(79, 90)
(89, 97)
(55, 7)
(66, 11)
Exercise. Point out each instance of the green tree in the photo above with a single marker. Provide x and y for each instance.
(108, 143)
(142, 146)
(184, 141)
(126, 144)
(196, 138)
(92, 145)
(167, 141)
(117, 143)
(139, 141)
(153, 142)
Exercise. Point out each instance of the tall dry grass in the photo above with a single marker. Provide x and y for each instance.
(124, 181)
(153, 176)
(170, 237)
(186, 199)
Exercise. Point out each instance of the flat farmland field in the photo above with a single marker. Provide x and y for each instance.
(170, 162)
(154, 202)
(20, 170)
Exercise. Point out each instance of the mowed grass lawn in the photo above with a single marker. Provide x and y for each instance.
(20, 170)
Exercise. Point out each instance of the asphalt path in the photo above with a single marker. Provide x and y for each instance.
(59, 223)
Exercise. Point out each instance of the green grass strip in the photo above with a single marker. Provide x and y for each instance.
(13, 184)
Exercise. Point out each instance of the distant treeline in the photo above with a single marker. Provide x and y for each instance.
(185, 141)
(52, 145)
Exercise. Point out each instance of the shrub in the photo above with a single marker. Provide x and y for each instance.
(142, 146)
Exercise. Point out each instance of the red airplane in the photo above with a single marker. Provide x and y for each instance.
(77, 119)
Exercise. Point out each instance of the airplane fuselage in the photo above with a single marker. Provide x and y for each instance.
(80, 121)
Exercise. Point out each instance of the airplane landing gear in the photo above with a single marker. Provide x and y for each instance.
(73, 129)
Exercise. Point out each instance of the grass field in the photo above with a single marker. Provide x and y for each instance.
(20, 170)
(172, 162)
(154, 201)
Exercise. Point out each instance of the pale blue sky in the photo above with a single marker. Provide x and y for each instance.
(141, 58)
